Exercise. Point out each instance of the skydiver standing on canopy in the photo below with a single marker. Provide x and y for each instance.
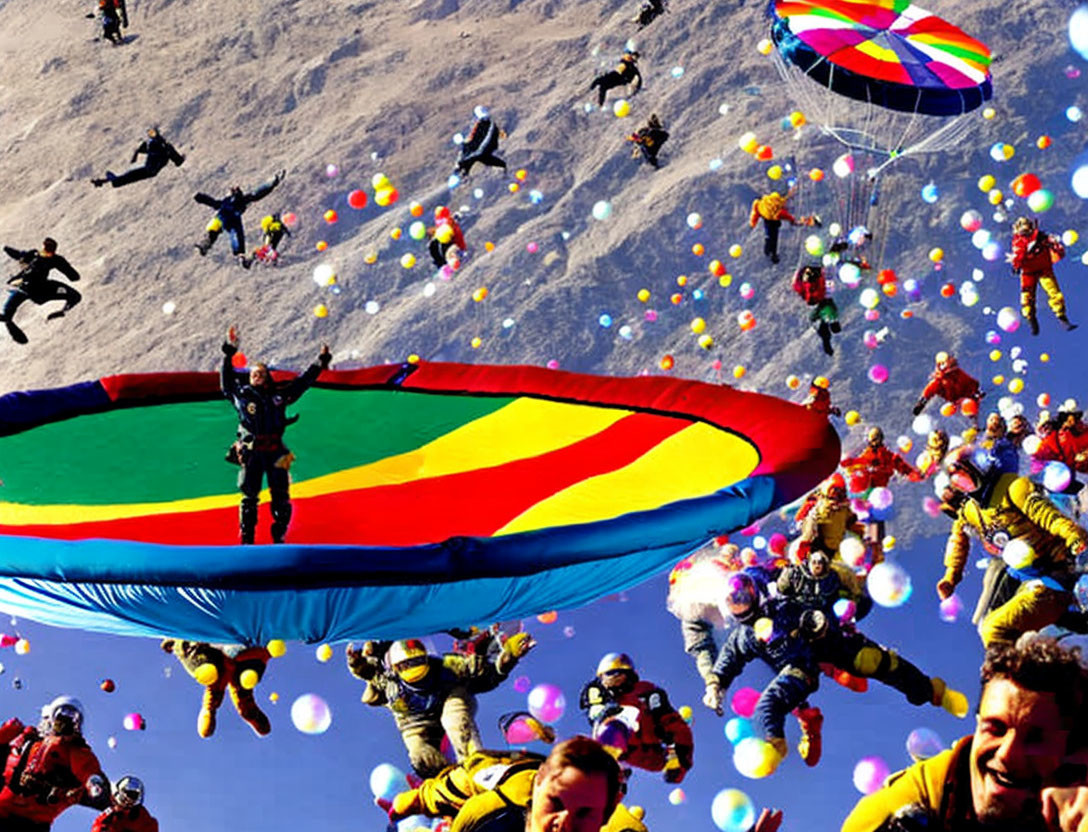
(159, 153)
(262, 405)
(33, 284)
(625, 73)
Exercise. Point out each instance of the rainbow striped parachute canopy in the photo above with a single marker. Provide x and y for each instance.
(425, 497)
(866, 69)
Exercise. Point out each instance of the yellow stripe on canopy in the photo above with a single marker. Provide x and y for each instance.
(694, 462)
(523, 429)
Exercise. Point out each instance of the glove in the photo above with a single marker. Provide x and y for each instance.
(712, 698)
(325, 357)
(229, 348)
(946, 586)
(674, 772)
(359, 663)
(280, 176)
(518, 645)
(919, 406)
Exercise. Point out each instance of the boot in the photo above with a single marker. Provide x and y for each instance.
(1033, 324)
(248, 710)
(205, 722)
(1067, 325)
(281, 517)
(951, 700)
(811, 745)
(98, 183)
(247, 520)
(825, 337)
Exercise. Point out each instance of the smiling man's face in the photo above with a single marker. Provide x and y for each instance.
(1018, 744)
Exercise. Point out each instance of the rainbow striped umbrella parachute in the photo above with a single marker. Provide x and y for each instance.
(425, 497)
(881, 76)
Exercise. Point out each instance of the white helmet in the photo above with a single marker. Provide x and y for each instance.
(481, 112)
(128, 792)
(66, 708)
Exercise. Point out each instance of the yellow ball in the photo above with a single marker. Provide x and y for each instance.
(521, 175)
(249, 678)
(324, 653)
(726, 280)
(513, 187)
(989, 113)
(414, 359)
(706, 342)
(995, 196)
(489, 246)
(384, 196)
(936, 255)
(999, 379)
(444, 233)
(685, 713)
(476, 342)
(995, 355)
(321, 311)
(986, 183)
(774, 172)
(698, 326)
(735, 250)
(793, 382)
(852, 417)
(739, 371)
(1044, 357)
(408, 260)
(765, 47)
(277, 648)
(621, 109)
(395, 233)
(1016, 386)
(321, 245)
(371, 257)
(644, 295)
(797, 118)
(273, 697)
(748, 142)
(888, 543)
(682, 280)
(1008, 151)
(480, 294)
(206, 674)
(1070, 237)
(380, 181)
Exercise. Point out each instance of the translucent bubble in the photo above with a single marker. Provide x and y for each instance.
(733, 811)
(923, 743)
(386, 781)
(311, 714)
(869, 774)
(889, 584)
(547, 703)
(372, 307)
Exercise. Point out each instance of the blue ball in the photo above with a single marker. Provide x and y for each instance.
(930, 193)
(605, 320)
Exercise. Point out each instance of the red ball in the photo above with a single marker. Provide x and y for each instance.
(108, 686)
(948, 290)
(357, 199)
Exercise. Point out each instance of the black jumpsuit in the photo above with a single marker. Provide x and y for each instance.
(33, 284)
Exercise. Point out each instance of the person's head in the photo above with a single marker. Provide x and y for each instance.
(408, 659)
(1032, 693)
(236, 191)
(575, 789)
(819, 564)
(944, 360)
(49, 247)
(741, 600)
(630, 55)
(969, 469)
(259, 376)
(1069, 414)
(875, 437)
(995, 426)
(834, 488)
(128, 792)
(481, 112)
(442, 213)
(1019, 425)
(153, 131)
(616, 671)
(937, 441)
(1023, 226)
(65, 716)
(654, 120)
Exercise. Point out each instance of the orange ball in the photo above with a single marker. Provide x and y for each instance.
(321, 245)
(890, 289)
(1043, 142)
(764, 153)
(716, 268)
(415, 209)
(667, 362)
(548, 617)
(698, 250)
(676, 299)
(948, 409)
(816, 175)
(969, 407)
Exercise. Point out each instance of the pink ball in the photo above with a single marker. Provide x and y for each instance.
(744, 701)
(872, 315)
(869, 339)
(931, 507)
(134, 722)
(547, 703)
(532, 248)
(651, 315)
(717, 365)
(552, 364)
(869, 774)
(878, 374)
(951, 607)
(778, 543)
(522, 684)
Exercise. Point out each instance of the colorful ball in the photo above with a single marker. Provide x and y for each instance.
(311, 714)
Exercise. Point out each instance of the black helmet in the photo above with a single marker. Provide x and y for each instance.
(969, 469)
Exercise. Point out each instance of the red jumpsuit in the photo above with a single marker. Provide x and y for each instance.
(1065, 445)
(1033, 255)
(659, 725)
(117, 819)
(877, 467)
(458, 235)
(38, 771)
(952, 384)
(819, 401)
